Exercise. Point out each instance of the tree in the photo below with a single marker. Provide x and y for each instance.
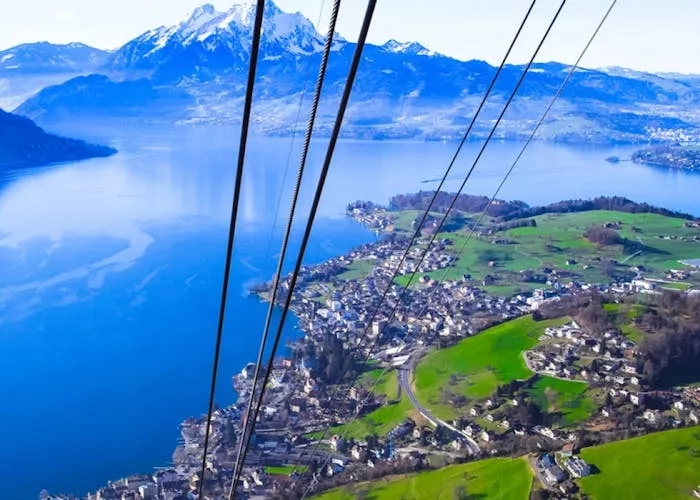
(673, 350)
(602, 235)
(372, 441)
(334, 363)
(229, 433)
(361, 494)
(528, 414)
(551, 395)
(594, 317)
(609, 268)
(460, 493)
(423, 439)
(539, 494)
(608, 399)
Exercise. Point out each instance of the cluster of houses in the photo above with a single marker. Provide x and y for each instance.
(376, 218)
(292, 405)
(672, 135)
(574, 353)
(557, 471)
(451, 308)
(609, 360)
(165, 484)
(489, 423)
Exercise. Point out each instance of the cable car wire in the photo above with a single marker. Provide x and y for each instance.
(352, 72)
(245, 123)
(248, 423)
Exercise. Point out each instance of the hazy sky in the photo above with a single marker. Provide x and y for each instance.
(652, 35)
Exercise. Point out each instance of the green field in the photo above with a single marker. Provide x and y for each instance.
(358, 269)
(563, 396)
(675, 285)
(565, 232)
(558, 238)
(383, 419)
(623, 316)
(495, 478)
(403, 222)
(479, 363)
(284, 470)
(660, 466)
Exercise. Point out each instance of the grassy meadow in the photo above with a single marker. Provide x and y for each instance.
(483, 479)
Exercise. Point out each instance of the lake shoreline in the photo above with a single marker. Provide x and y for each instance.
(165, 177)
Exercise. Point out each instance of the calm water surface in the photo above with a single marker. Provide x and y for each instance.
(110, 271)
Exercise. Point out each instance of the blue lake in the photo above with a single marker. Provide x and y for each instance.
(110, 274)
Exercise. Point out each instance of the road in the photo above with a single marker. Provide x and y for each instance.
(404, 377)
(624, 261)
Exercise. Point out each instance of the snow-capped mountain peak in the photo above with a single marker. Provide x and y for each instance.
(413, 48)
(243, 13)
(207, 34)
(200, 17)
(279, 25)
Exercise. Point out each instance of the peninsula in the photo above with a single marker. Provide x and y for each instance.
(686, 157)
(25, 144)
(526, 335)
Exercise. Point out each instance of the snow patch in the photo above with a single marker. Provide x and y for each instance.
(6, 57)
(162, 36)
(293, 32)
(199, 18)
(408, 48)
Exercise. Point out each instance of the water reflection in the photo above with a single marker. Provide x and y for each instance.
(186, 174)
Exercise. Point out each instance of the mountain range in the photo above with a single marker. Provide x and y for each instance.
(44, 57)
(24, 144)
(195, 71)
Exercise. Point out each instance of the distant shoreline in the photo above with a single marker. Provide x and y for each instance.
(681, 157)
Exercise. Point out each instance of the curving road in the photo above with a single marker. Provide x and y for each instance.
(404, 382)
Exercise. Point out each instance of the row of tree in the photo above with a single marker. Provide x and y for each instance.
(672, 353)
(503, 211)
(464, 203)
(614, 203)
(505, 226)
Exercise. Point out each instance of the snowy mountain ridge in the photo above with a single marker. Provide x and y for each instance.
(45, 57)
(195, 71)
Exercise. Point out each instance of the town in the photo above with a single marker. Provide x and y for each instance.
(301, 440)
